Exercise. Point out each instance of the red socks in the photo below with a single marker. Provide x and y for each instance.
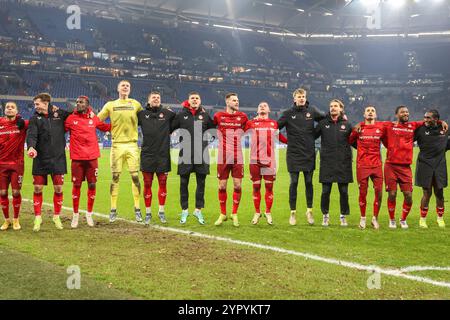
(236, 199)
(162, 190)
(223, 201)
(257, 197)
(362, 204)
(423, 212)
(76, 191)
(17, 201)
(391, 209)
(57, 203)
(37, 203)
(406, 210)
(376, 203)
(5, 206)
(440, 211)
(90, 199)
(269, 196)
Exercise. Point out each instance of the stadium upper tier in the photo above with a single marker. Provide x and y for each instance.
(39, 53)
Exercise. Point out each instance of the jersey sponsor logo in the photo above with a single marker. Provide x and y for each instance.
(369, 138)
(9, 132)
(123, 108)
(402, 129)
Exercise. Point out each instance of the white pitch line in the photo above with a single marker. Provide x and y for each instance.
(399, 273)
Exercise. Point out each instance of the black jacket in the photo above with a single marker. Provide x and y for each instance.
(198, 159)
(335, 151)
(299, 123)
(433, 143)
(47, 136)
(156, 128)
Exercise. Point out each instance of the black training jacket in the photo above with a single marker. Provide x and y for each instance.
(156, 128)
(299, 124)
(335, 150)
(433, 143)
(47, 136)
(198, 161)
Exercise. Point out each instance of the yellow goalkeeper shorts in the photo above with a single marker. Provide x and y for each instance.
(122, 153)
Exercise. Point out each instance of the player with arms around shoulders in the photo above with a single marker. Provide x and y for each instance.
(82, 125)
(13, 130)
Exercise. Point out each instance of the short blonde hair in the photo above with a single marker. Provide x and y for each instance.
(299, 91)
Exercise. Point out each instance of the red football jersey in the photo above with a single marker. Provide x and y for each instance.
(262, 144)
(83, 135)
(12, 141)
(230, 128)
(399, 140)
(368, 143)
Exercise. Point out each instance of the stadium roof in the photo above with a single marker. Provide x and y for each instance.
(287, 16)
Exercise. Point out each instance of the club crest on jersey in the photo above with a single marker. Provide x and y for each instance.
(75, 122)
(55, 115)
(427, 133)
(378, 131)
(272, 124)
(147, 116)
(91, 122)
(1, 128)
(200, 117)
(185, 117)
(409, 126)
(343, 127)
(293, 117)
(327, 126)
(308, 115)
(441, 132)
(39, 118)
(238, 118)
(161, 115)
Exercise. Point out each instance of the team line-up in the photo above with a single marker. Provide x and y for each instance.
(44, 135)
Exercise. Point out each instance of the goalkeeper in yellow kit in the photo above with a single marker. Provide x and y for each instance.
(124, 131)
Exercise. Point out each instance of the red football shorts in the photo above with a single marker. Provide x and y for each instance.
(375, 173)
(223, 171)
(84, 170)
(58, 180)
(257, 172)
(397, 173)
(11, 174)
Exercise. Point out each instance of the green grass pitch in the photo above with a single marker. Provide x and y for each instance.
(129, 261)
